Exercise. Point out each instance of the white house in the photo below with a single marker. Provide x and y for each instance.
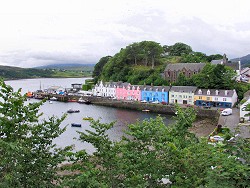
(243, 112)
(107, 89)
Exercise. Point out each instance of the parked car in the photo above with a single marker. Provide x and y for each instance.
(227, 112)
(143, 101)
(164, 103)
(155, 102)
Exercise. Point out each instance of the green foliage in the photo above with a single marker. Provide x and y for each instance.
(150, 151)
(195, 57)
(179, 49)
(86, 87)
(98, 68)
(215, 76)
(28, 156)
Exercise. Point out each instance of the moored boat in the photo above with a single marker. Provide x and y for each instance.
(73, 111)
(82, 101)
(87, 118)
(76, 125)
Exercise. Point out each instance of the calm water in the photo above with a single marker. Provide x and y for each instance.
(122, 117)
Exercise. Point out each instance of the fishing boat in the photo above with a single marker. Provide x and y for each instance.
(73, 111)
(76, 125)
(146, 110)
(82, 101)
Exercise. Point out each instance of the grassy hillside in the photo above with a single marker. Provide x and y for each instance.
(8, 73)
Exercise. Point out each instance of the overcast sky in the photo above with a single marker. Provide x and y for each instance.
(39, 32)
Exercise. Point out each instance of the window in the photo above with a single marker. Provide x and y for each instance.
(208, 98)
(190, 97)
(180, 96)
(200, 97)
(172, 95)
(224, 99)
(216, 98)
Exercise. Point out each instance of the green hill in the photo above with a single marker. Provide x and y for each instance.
(9, 73)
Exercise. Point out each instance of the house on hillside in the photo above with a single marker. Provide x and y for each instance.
(172, 71)
(182, 94)
(236, 66)
(243, 112)
(215, 98)
(155, 93)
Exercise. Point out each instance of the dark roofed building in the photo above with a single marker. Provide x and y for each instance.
(234, 65)
(172, 71)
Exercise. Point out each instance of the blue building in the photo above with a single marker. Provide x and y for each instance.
(155, 93)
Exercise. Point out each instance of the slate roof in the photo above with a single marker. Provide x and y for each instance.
(154, 88)
(213, 92)
(216, 62)
(188, 66)
(184, 89)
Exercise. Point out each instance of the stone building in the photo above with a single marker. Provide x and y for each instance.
(172, 71)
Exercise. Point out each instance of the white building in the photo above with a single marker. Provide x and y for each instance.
(105, 89)
(243, 112)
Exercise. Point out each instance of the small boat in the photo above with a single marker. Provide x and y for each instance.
(72, 100)
(146, 110)
(82, 101)
(50, 102)
(53, 99)
(73, 111)
(76, 125)
(87, 118)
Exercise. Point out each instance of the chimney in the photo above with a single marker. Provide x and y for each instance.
(226, 92)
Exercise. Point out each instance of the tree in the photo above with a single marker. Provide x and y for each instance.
(215, 77)
(99, 67)
(133, 51)
(29, 158)
(179, 49)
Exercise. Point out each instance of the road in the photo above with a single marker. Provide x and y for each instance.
(232, 122)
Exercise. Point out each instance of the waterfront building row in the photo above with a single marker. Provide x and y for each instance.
(188, 95)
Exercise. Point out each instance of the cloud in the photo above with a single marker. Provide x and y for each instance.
(44, 32)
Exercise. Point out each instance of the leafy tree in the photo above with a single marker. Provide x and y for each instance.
(133, 51)
(29, 158)
(99, 66)
(195, 57)
(215, 76)
(179, 49)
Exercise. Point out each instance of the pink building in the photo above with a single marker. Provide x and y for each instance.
(126, 91)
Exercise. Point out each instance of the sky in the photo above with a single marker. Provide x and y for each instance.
(42, 32)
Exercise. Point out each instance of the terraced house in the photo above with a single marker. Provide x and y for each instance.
(182, 94)
(215, 98)
(126, 91)
(155, 93)
(107, 89)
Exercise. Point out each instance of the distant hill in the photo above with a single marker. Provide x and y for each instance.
(9, 73)
(76, 66)
(245, 60)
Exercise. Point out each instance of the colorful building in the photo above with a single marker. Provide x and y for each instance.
(182, 94)
(215, 98)
(126, 91)
(155, 93)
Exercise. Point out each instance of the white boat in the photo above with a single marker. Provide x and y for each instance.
(53, 99)
(50, 102)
